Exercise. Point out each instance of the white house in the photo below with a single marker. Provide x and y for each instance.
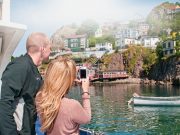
(149, 41)
(168, 47)
(128, 33)
(98, 32)
(104, 46)
(177, 10)
(143, 29)
(122, 42)
(125, 37)
(129, 41)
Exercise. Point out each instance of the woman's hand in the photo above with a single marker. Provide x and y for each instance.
(85, 85)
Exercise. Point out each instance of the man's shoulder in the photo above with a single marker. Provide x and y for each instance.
(19, 63)
(16, 67)
(20, 59)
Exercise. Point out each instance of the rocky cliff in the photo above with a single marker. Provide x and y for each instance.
(116, 62)
(140, 63)
(167, 70)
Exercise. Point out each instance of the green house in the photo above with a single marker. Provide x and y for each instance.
(77, 43)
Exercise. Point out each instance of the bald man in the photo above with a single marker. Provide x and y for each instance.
(20, 82)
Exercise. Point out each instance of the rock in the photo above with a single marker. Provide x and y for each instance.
(152, 82)
(145, 81)
(116, 62)
(160, 83)
(176, 81)
(167, 71)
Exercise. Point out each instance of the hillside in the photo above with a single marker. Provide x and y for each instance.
(136, 60)
(164, 18)
(57, 37)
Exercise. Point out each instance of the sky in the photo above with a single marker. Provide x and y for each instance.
(49, 15)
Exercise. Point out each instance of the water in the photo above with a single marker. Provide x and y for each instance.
(112, 115)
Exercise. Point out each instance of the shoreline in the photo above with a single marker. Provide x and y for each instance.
(134, 81)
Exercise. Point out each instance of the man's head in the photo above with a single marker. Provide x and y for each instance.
(38, 46)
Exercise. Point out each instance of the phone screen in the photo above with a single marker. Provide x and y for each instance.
(82, 73)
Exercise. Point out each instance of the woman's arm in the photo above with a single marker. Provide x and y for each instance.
(81, 114)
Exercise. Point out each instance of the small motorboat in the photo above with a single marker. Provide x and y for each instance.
(137, 100)
(84, 131)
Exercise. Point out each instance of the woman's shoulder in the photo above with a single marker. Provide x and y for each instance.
(71, 102)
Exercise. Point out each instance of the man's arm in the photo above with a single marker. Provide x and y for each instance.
(12, 82)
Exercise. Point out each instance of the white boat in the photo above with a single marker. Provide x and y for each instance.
(173, 110)
(10, 35)
(154, 101)
(84, 131)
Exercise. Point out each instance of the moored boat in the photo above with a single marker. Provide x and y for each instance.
(110, 75)
(84, 131)
(154, 101)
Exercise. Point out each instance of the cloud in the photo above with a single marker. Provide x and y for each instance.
(46, 12)
(49, 15)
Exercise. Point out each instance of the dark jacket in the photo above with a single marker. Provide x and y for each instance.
(20, 80)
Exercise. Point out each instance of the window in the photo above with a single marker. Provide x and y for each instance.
(74, 40)
(75, 45)
(169, 44)
(166, 52)
(171, 51)
(164, 45)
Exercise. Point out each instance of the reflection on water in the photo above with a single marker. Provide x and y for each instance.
(112, 115)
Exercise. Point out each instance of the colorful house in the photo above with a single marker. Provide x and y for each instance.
(169, 47)
(77, 43)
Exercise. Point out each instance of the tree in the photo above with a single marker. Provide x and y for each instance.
(106, 38)
(88, 27)
(161, 21)
(175, 22)
(159, 51)
(133, 24)
(92, 41)
(177, 3)
(177, 47)
(149, 58)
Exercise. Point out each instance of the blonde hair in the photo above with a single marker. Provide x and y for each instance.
(59, 78)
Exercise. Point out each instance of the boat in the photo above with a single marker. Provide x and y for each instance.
(110, 75)
(10, 35)
(156, 109)
(137, 100)
(84, 131)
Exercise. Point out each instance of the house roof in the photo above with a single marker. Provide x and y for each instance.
(167, 40)
(75, 36)
(169, 6)
(149, 37)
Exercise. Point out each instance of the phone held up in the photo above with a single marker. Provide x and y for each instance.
(83, 73)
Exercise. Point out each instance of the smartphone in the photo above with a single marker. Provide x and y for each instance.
(83, 72)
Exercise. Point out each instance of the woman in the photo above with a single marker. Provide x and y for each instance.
(60, 115)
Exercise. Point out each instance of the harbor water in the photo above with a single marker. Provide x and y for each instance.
(112, 115)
